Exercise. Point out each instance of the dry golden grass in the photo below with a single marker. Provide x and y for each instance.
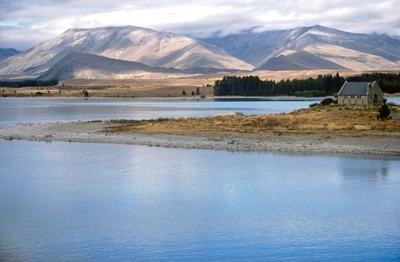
(326, 118)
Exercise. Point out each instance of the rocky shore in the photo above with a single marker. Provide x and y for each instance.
(386, 143)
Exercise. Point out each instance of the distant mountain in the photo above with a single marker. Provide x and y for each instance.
(303, 48)
(276, 50)
(88, 66)
(157, 49)
(7, 52)
(300, 60)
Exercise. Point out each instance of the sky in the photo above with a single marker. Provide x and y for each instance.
(25, 23)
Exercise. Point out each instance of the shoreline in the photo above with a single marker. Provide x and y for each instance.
(364, 143)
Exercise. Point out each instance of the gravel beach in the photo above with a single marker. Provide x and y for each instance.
(384, 143)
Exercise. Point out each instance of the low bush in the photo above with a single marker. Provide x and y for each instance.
(328, 101)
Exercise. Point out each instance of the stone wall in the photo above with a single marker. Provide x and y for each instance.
(375, 94)
(353, 100)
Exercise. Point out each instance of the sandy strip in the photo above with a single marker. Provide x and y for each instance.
(316, 142)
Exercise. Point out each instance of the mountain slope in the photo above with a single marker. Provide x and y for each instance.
(159, 49)
(302, 48)
(348, 50)
(88, 66)
(7, 52)
(300, 60)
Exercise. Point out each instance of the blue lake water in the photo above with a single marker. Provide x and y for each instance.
(13, 110)
(90, 202)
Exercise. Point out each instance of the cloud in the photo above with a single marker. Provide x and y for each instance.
(45, 19)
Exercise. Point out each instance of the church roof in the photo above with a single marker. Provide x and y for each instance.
(354, 88)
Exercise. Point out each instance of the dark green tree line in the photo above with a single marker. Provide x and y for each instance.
(321, 86)
(28, 82)
(254, 86)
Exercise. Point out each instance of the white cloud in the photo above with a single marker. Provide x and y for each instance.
(24, 23)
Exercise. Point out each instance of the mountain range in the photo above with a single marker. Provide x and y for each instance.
(130, 52)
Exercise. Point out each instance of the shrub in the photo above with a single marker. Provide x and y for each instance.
(384, 112)
(328, 101)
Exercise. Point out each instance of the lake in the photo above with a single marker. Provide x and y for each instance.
(14, 110)
(90, 202)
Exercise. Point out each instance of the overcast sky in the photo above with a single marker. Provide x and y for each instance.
(25, 23)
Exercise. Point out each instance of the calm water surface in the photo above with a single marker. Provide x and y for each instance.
(14, 110)
(91, 202)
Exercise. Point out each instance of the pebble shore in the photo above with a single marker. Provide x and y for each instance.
(311, 142)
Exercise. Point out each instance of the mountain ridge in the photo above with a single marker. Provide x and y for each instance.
(89, 66)
(314, 40)
(301, 48)
(158, 49)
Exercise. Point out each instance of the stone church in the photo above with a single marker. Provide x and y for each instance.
(360, 93)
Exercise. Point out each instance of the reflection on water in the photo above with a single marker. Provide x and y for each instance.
(370, 170)
(370, 174)
(71, 201)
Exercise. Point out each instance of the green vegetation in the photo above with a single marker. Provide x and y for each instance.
(253, 86)
(324, 102)
(328, 101)
(321, 86)
(28, 82)
(384, 112)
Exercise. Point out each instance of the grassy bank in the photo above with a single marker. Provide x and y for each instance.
(335, 118)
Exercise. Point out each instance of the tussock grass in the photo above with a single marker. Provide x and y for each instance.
(328, 118)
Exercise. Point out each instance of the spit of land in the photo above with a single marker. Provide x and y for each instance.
(320, 129)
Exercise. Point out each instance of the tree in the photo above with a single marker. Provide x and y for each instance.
(197, 91)
(183, 92)
(192, 93)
